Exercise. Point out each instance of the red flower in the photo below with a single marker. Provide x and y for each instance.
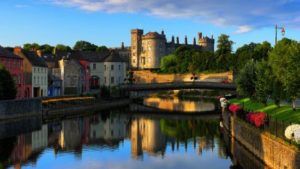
(234, 108)
(256, 118)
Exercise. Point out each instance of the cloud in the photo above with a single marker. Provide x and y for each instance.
(243, 29)
(245, 15)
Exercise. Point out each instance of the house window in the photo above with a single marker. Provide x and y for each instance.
(133, 61)
(105, 80)
(119, 67)
(112, 80)
(112, 67)
(105, 67)
(94, 66)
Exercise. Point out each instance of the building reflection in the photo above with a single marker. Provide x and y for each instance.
(175, 104)
(148, 135)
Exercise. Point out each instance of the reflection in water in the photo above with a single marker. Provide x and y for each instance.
(175, 104)
(121, 140)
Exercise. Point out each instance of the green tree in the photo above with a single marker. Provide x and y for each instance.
(285, 60)
(168, 64)
(63, 48)
(102, 49)
(84, 46)
(7, 85)
(30, 47)
(224, 52)
(264, 81)
(246, 80)
(46, 48)
(262, 50)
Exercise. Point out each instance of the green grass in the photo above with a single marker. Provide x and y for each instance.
(284, 112)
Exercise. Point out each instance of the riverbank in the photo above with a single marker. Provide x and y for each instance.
(283, 113)
(273, 151)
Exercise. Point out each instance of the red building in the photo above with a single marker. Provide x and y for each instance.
(85, 64)
(14, 64)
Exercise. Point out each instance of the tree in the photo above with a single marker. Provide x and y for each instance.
(7, 85)
(168, 64)
(31, 47)
(102, 49)
(246, 80)
(223, 53)
(63, 48)
(262, 50)
(264, 81)
(285, 60)
(46, 48)
(84, 46)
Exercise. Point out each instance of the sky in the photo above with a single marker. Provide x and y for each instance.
(108, 22)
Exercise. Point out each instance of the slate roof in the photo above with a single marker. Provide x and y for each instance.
(91, 56)
(34, 59)
(8, 54)
(113, 57)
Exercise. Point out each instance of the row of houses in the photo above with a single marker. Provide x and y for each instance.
(63, 73)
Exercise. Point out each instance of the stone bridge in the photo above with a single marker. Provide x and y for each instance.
(178, 85)
(141, 90)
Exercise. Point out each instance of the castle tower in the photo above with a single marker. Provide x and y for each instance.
(207, 44)
(136, 47)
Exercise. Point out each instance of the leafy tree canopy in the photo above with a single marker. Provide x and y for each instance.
(84, 46)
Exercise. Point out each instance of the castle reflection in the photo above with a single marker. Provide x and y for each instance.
(146, 134)
(175, 104)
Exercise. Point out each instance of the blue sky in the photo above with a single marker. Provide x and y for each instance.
(108, 22)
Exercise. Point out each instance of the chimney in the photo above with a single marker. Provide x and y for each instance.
(200, 35)
(39, 53)
(122, 46)
(194, 41)
(17, 49)
(162, 32)
(177, 40)
(173, 39)
(212, 36)
(185, 40)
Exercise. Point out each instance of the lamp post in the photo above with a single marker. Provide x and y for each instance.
(282, 32)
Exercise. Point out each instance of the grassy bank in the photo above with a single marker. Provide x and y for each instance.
(284, 112)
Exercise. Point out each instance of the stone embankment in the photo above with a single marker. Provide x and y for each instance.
(274, 152)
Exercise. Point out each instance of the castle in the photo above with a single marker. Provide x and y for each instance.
(147, 50)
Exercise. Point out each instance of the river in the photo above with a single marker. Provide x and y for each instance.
(123, 139)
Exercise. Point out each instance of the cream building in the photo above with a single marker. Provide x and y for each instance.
(114, 69)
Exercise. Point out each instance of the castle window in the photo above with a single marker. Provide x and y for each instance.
(133, 61)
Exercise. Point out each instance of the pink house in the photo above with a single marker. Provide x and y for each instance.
(14, 64)
(86, 75)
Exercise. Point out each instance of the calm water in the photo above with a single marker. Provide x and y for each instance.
(119, 139)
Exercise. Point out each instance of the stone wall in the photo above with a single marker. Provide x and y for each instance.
(20, 108)
(274, 152)
(146, 76)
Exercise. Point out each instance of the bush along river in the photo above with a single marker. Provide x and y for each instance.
(125, 138)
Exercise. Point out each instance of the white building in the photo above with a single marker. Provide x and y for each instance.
(114, 70)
